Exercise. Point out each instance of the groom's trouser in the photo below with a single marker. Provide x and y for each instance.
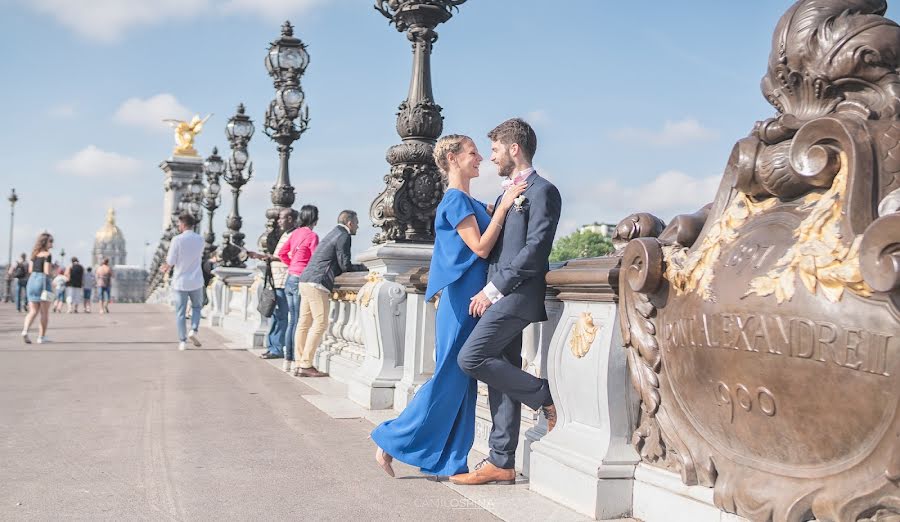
(493, 355)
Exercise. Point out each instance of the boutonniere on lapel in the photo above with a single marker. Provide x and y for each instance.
(518, 202)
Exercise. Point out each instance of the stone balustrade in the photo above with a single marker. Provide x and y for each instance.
(343, 350)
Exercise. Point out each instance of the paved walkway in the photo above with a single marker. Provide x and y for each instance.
(111, 422)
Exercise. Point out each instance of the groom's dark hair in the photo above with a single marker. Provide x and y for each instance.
(517, 131)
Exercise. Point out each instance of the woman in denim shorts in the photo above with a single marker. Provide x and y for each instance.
(37, 290)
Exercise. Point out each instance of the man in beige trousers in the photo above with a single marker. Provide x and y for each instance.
(331, 259)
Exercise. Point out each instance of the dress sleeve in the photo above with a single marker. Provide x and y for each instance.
(457, 207)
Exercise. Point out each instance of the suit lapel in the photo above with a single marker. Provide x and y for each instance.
(531, 180)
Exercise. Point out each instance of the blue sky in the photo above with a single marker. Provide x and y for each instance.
(636, 104)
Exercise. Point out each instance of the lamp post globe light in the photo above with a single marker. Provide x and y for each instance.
(13, 198)
(239, 130)
(287, 118)
(405, 209)
(214, 167)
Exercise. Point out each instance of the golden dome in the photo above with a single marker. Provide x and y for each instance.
(109, 233)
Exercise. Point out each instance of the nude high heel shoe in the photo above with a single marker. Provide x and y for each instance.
(384, 460)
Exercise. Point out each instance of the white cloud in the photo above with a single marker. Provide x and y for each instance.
(62, 111)
(316, 186)
(672, 192)
(276, 10)
(149, 113)
(94, 162)
(108, 20)
(120, 202)
(678, 132)
(537, 117)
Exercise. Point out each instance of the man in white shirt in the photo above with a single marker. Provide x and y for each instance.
(185, 256)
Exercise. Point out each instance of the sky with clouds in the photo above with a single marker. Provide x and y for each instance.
(634, 110)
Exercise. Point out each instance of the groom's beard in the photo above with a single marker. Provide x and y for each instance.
(506, 169)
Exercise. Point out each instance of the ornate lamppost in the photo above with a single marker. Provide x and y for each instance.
(214, 167)
(192, 199)
(239, 130)
(405, 209)
(286, 61)
(12, 215)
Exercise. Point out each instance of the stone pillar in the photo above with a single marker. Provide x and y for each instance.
(180, 172)
(536, 341)
(418, 345)
(383, 315)
(238, 305)
(587, 462)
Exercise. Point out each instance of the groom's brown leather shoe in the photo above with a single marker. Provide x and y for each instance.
(485, 473)
(550, 415)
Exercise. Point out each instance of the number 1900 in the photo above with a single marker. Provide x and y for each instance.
(741, 397)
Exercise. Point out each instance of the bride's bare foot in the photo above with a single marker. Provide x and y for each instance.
(384, 460)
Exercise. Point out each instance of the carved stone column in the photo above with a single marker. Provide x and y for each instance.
(587, 462)
(405, 209)
(418, 349)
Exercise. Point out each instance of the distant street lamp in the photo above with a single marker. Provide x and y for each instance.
(12, 215)
(212, 198)
(405, 209)
(239, 130)
(286, 61)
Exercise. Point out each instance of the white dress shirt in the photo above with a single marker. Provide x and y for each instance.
(185, 255)
(490, 290)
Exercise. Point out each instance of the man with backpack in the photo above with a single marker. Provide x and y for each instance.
(20, 274)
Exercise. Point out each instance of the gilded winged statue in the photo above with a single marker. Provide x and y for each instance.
(185, 132)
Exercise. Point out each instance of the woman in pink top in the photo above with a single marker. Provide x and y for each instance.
(295, 253)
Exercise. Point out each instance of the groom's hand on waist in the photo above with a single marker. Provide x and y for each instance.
(478, 304)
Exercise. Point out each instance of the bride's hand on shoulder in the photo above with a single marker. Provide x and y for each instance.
(509, 197)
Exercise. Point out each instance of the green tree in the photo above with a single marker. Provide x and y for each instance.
(582, 243)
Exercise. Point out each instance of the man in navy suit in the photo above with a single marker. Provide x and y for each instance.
(512, 299)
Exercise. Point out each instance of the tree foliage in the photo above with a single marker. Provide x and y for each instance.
(582, 243)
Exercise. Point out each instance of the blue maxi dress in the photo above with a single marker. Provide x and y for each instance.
(436, 430)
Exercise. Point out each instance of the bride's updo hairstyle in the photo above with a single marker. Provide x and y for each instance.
(447, 144)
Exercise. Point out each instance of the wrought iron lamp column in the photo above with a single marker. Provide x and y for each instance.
(12, 215)
(239, 130)
(212, 199)
(286, 62)
(405, 209)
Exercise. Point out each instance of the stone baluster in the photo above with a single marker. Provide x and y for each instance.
(588, 462)
(418, 349)
(336, 354)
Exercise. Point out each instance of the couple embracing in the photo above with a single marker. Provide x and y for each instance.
(490, 262)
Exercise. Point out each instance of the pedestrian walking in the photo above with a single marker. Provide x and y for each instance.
(104, 284)
(89, 281)
(74, 285)
(186, 256)
(331, 259)
(20, 282)
(38, 288)
(59, 289)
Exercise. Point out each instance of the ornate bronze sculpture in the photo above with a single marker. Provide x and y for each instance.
(405, 209)
(185, 132)
(763, 332)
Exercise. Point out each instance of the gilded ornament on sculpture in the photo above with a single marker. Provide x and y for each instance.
(365, 293)
(583, 334)
(185, 132)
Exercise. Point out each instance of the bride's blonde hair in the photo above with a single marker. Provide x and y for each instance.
(447, 144)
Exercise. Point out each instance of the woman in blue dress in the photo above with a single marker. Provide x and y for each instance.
(436, 430)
